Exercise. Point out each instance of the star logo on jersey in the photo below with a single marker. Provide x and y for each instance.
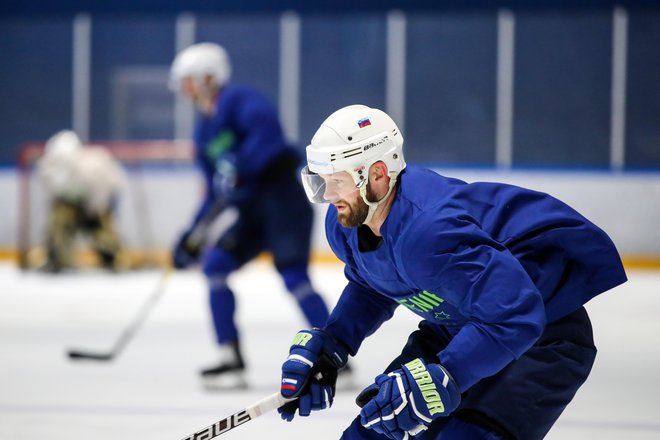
(442, 315)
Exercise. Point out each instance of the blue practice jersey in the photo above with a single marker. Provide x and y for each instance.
(244, 131)
(490, 262)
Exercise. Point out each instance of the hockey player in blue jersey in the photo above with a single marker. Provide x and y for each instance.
(499, 275)
(247, 164)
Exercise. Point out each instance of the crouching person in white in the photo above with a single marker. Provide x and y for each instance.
(83, 184)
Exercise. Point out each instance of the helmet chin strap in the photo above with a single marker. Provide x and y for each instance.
(374, 205)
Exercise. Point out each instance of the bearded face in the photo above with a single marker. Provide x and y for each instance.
(352, 212)
(340, 190)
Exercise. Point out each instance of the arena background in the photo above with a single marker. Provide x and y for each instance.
(559, 96)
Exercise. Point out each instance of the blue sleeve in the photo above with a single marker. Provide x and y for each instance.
(359, 313)
(261, 136)
(505, 311)
(360, 310)
(209, 195)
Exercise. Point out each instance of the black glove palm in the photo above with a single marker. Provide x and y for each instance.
(185, 252)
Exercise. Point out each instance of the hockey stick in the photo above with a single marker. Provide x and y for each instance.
(263, 406)
(130, 330)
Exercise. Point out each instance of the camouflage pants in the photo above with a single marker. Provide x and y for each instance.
(67, 219)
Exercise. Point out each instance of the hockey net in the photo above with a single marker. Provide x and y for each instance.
(154, 203)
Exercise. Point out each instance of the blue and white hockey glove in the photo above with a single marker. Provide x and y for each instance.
(408, 399)
(310, 372)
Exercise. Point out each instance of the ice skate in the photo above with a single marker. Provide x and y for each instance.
(229, 373)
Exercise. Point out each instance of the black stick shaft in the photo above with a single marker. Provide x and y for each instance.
(129, 331)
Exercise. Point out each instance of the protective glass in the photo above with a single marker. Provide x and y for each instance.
(327, 188)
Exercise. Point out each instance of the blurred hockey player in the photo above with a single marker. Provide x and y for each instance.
(498, 274)
(247, 164)
(82, 184)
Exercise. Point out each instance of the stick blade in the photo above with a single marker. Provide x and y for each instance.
(80, 355)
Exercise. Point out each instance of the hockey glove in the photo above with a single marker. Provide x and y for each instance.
(408, 399)
(310, 372)
(186, 252)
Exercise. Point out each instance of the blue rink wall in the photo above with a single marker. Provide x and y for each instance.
(556, 98)
(483, 86)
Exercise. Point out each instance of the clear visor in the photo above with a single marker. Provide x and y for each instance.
(327, 188)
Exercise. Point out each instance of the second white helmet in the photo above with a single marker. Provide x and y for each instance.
(62, 147)
(198, 61)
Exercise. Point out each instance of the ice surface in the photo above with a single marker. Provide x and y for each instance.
(151, 391)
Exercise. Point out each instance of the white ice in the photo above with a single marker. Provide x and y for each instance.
(151, 391)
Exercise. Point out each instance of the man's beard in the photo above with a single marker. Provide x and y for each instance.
(357, 213)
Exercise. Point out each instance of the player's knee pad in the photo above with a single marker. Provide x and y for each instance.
(297, 280)
(217, 265)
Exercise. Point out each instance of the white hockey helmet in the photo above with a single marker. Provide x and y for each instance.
(352, 139)
(198, 61)
(62, 147)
